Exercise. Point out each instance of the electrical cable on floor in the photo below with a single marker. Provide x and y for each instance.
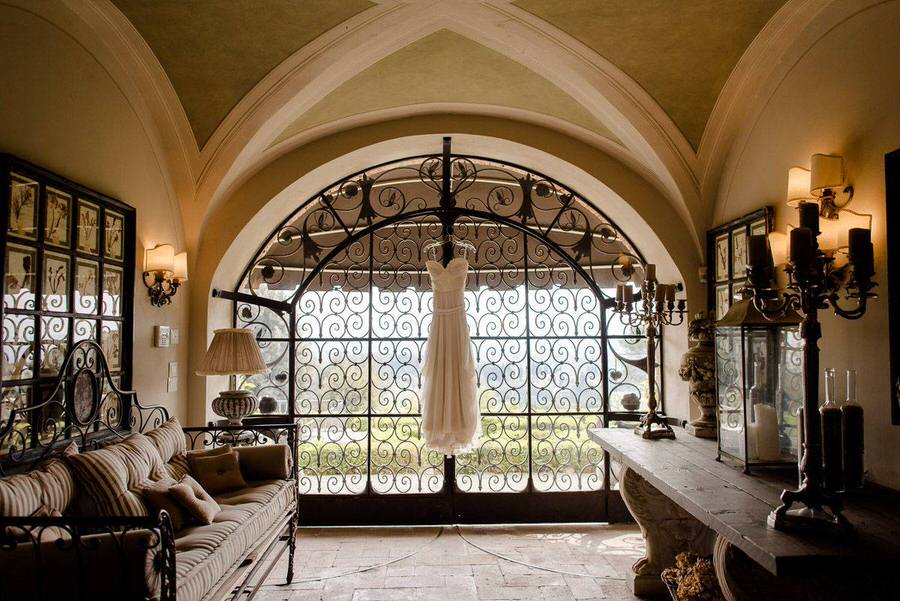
(468, 542)
(523, 563)
(368, 568)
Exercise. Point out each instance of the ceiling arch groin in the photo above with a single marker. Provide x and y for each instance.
(615, 74)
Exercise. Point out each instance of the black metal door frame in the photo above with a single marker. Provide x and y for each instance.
(448, 505)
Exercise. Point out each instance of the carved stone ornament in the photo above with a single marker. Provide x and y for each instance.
(698, 368)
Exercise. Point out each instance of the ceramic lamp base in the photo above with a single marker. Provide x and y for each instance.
(234, 405)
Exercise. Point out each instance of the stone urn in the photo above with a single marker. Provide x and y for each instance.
(698, 369)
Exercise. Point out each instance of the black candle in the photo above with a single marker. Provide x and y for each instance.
(858, 239)
(757, 251)
(809, 216)
(801, 245)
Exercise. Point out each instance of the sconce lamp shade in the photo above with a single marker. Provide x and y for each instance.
(160, 258)
(827, 172)
(233, 352)
(798, 186)
(181, 271)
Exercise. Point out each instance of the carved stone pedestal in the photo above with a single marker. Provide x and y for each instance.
(667, 529)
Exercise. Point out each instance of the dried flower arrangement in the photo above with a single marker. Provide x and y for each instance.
(692, 578)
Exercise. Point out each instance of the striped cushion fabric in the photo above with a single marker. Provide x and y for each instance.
(169, 439)
(49, 486)
(178, 466)
(112, 475)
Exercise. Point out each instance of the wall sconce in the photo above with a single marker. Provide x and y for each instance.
(164, 272)
(823, 183)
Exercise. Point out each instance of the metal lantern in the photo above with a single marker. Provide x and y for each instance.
(759, 386)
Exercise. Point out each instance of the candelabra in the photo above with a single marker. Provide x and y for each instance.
(655, 307)
(814, 283)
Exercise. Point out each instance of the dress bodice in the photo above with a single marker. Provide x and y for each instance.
(448, 283)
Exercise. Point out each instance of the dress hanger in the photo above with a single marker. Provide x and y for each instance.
(432, 246)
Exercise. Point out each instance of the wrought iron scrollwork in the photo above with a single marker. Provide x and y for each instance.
(351, 262)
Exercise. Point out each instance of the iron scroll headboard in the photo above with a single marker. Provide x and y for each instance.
(84, 406)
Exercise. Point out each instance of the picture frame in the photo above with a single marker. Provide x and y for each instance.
(20, 277)
(57, 217)
(726, 258)
(23, 207)
(114, 230)
(88, 227)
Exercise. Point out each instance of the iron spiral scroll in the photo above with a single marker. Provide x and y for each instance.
(340, 301)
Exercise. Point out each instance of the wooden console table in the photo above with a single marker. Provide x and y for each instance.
(683, 499)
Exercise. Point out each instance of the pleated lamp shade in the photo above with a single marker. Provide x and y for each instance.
(233, 352)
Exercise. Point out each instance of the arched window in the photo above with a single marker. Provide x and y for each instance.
(340, 302)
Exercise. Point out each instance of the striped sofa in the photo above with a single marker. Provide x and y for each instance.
(75, 526)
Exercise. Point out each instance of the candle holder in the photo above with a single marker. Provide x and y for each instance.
(655, 307)
(814, 283)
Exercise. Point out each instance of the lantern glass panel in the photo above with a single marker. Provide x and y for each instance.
(789, 398)
(760, 356)
(729, 390)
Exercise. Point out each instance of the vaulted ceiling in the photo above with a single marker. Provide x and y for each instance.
(446, 67)
(680, 52)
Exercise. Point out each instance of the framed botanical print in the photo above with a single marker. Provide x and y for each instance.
(114, 230)
(87, 276)
(55, 291)
(19, 278)
(727, 258)
(57, 217)
(69, 255)
(23, 210)
(88, 227)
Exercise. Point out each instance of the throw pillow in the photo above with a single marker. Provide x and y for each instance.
(169, 439)
(195, 500)
(157, 497)
(112, 474)
(219, 473)
(179, 465)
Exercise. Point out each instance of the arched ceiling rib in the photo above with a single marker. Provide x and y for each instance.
(680, 51)
(440, 68)
(215, 52)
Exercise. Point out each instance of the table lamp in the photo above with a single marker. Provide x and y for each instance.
(233, 352)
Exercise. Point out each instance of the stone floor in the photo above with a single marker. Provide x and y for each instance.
(583, 562)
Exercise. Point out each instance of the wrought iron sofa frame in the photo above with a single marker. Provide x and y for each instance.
(86, 407)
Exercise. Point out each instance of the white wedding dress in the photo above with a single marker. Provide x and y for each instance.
(450, 416)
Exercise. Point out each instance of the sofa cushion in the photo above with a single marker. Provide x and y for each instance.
(205, 555)
(111, 475)
(195, 500)
(265, 462)
(219, 473)
(169, 439)
(157, 497)
(49, 485)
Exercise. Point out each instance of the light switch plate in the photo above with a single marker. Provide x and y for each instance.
(161, 336)
(173, 369)
(176, 336)
(172, 385)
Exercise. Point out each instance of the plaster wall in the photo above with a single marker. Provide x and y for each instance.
(61, 110)
(839, 97)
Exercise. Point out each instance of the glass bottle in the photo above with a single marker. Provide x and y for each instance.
(853, 439)
(832, 454)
